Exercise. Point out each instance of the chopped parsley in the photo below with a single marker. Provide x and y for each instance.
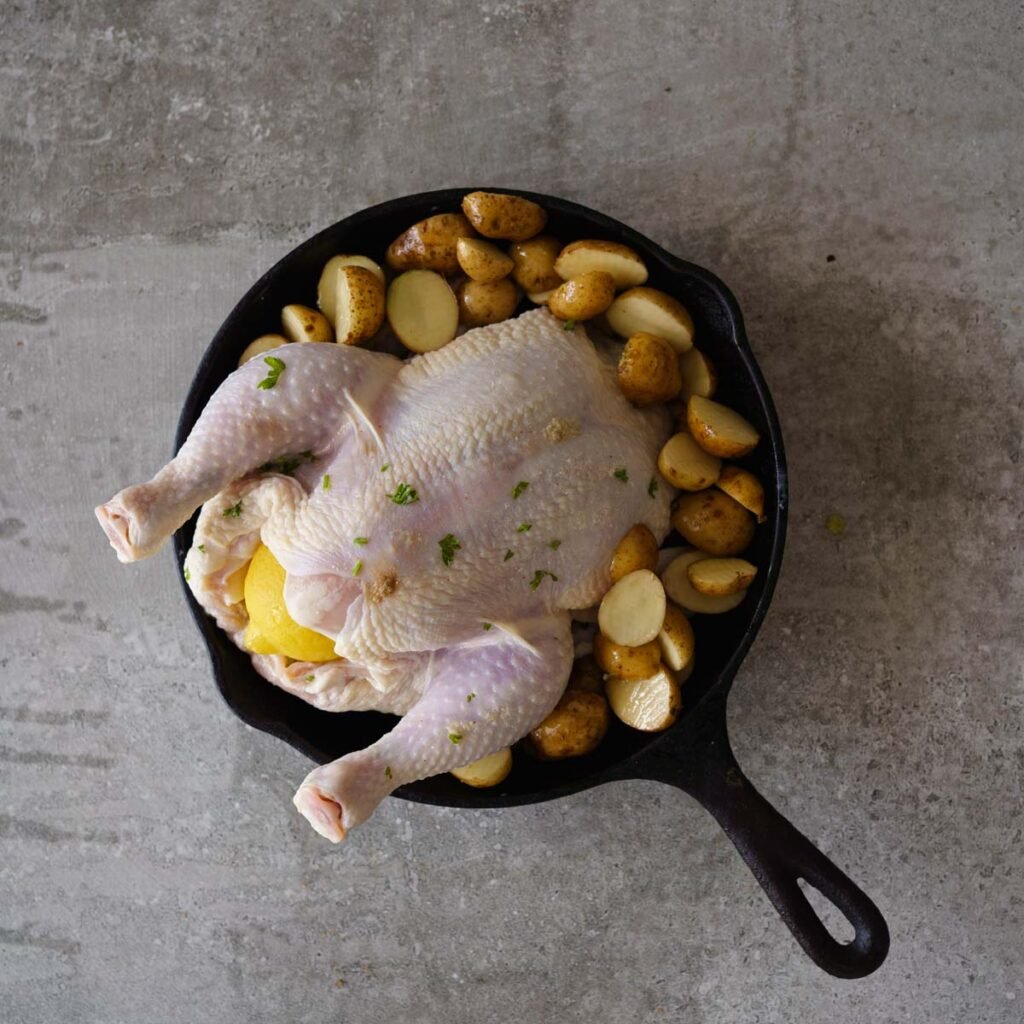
(448, 545)
(488, 626)
(326, 481)
(385, 467)
(652, 488)
(361, 541)
(234, 512)
(358, 567)
(519, 488)
(508, 554)
(538, 578)
(554, 544)
(524, 527)
(403, 494)
(187, 574)
(621, 474)
(569, 325)
(387, 772)
(310, 679)
(287, 464)
(276, 369)
(201, 547)
(455, 737)
(469, 698)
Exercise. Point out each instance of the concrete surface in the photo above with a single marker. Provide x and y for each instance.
(156, 157)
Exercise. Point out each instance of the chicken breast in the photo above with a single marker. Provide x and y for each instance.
(488, 482)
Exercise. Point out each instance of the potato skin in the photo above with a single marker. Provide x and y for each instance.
(586, 675)
(366, 300)
(700, 418)
(713, 522)
(483, 303)
(741, 485)
(482, 261)
(684, 464)
(637, 550)
(264, 343)
(583, 297)
(623, 263)
(430, 244)
(575, 727)
(533, 264)
(300, 323)
(627, 662)
(496, 215)
(720, 577)
(648, 370)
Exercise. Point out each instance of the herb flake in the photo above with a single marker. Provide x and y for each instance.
(448, 545)
(234, 512)
(201, 547)
(403, 494)
(621, 474)
(508, 554)
(276, 369)
(469, 697)
(326, 482)
(519, 488)
(358, 567)
(287, 464)
(538, 578)
(524, 527)
(310, 679)
(187, 574)
(488, 626)
(385, 467)
(388, 772)
(361, 541)
(455, 737)
(554, 544)
(652, 488)
(569, 325)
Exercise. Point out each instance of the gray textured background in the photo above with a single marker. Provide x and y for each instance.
(156, 157)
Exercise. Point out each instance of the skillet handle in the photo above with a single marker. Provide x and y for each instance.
(779, 855)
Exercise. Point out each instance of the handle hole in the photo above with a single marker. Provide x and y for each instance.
(834, 920)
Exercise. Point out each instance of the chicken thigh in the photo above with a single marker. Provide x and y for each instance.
(447, 515)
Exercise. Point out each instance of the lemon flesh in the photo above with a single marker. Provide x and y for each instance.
(271, 629)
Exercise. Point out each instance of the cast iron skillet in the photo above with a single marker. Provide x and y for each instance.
(695, 754)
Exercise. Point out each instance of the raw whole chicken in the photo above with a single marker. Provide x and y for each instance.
(487, 483)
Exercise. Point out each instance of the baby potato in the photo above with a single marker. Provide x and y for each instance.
(533, 264)
(711, 521)
(487, 771)
(586, 675)
(620, 261)
(482, 261)
(627, 662)
(637, 550)
(583, 297)
(496, 215)
(326, 291)
(679, 588)
(648, 370)
(654, 312)
(741, 485)
(676, 639)
(264, 343)
(684, 464)
(486, 303)
(721, 576)
(698, 373)
(430, 244)
(422, 310)
(632, 612)
(719, 429)
(650, 705)
(358, 304)
(574, 728)
(300, 323)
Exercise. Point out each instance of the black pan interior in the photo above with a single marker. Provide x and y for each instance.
(721, 640)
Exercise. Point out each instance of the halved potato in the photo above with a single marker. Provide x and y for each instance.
(681, 677)
(422, 310)
(627, 662)
(620, 261)
(430, 244)
(574, 728)
(721, 576)
(533, 264)
(676, 639)
(496, 215)
(482, 261)
(711, 521)
(651, 704)
(540, 298)
(684, 464)
(648, 370)
(583, 297)
(487, 771)
(300, 323)
(698, 373)
(264, 343)
(632, 612)
(483, 303)
(652, 311)
(719, 429)
(637, 550)
(358, 304)
(680, 589)
(326, 292)
(741, 485)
